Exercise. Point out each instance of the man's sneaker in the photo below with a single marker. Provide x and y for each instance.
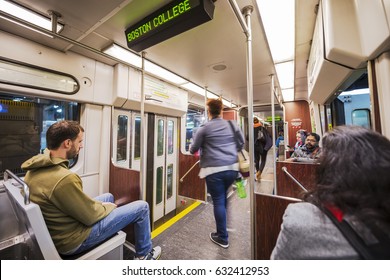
(155, 254)
(217, 240)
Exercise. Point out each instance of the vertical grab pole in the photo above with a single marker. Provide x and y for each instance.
(247, 11)
(206, 117)
(246, 26)
(54, 20)
(273, 129)
(142, 129)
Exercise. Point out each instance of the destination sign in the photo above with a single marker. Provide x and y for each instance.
(176, 17)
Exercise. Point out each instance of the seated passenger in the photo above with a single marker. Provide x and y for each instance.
(350, 184)
(279, 140)
(75, 221)
(301, 137)
(308, 152)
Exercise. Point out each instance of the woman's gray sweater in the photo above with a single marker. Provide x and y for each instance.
(307, 233)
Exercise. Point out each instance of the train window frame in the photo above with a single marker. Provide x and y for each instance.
(161, 137)
(43, 79)
(367, 124)
(135, 145)
(170, 135)
(159, 185)
(133, 139)
(28, 119)
(123, 163)
(122, 139)
(186, 135)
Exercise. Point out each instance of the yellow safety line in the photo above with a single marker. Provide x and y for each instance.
(169, 223)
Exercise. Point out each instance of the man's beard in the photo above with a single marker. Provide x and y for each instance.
(311, 147)
(72, 153)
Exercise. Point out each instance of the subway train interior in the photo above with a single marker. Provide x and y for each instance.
(137, 74)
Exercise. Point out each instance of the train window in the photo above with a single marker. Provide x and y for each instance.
(24, 122)
(25, 75)
(361, 117)
(169, 181)
(160, 137)
(137, 138)
(352, 107)
(195, 117)
(159, 187)
(122, 138)
(170, 133)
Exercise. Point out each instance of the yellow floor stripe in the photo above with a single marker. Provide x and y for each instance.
(169, 223)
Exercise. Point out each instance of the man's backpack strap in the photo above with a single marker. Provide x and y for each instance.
(370, 240)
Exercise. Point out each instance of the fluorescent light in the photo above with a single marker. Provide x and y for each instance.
(212, 95)
(192, 87)
(227, 103)
(124, 55)
(199, 90)
(158, 71)
(27, 15)
(278, 17)
(356, 92)
(163, 73)
(288, 94)
(285, 72)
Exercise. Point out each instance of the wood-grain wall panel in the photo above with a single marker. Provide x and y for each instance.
(297, 112)
(192, 186)
(269, 216)
(302, 172)
(125, 187)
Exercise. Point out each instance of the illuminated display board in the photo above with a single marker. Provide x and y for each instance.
(171, 20)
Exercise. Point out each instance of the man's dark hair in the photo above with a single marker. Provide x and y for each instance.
(60, 131)
(315, 135)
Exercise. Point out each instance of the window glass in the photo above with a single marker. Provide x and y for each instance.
(160, 137)
(25, 75)
(170, 136)
(159, 185)
(361, 117)
(137, 138)
(169, 181)
(24, 122)
(195, 117)
(121, 153)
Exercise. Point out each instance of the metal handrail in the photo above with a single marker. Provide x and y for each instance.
(189, 170)
(26, 189)
(284, 168)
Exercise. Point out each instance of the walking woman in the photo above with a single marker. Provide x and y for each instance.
(218, 145)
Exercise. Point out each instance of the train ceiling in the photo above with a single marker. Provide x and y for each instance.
(192, 54)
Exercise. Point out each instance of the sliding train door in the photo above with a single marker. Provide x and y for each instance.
(164, 166)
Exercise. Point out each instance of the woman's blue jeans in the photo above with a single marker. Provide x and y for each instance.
(136, 212)
(217, 186)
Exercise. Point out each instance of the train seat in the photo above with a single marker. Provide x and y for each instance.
(30, 214)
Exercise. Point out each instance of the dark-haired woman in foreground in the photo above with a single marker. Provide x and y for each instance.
(353, 180)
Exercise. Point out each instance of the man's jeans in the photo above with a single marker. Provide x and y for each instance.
(136, 212)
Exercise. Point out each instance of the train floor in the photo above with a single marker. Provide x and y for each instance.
(188, 238)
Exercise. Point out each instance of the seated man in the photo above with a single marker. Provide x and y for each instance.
(308, 152)
(75, 221)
